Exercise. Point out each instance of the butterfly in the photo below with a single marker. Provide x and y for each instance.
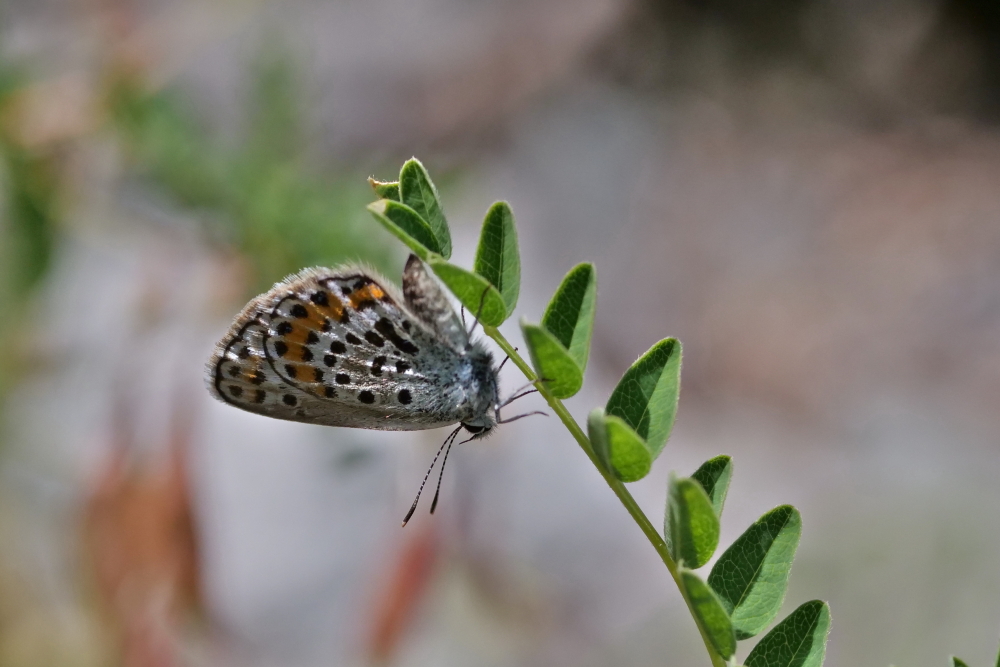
(343, 347)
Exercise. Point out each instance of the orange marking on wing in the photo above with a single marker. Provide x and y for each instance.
(371, 292)
(298, 334)
(252, 373)
(317, 314)
(304, 372)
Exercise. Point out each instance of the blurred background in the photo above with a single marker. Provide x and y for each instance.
(806, 192)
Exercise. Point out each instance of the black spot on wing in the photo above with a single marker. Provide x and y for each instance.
(384, 327)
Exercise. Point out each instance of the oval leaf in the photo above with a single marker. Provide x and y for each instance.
(646, 396)
(497, 258)
(957, 662)
(618, 448)
(691, 526)
(570, 315)
(798, 641)
(417, 191)
(628, 454)
(714, 475)
(406, 225)
(477, 295)
(709, 614)
(385, 189)
(552, 362)
(752, 575)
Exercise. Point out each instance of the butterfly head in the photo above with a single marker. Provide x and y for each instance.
(485, 395)
(481, 427)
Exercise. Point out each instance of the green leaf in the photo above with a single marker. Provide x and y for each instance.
(629, 455)
(709, 614)
(957, 662)
(617, 446)
(751, 577)
(714, 475)
(385, 189)
(551, 361)
(798, 641)
(417, 191)
(404, 223)
(473, 291)
(497, 257)
(646, 396)
(691, 526)
(570, 315)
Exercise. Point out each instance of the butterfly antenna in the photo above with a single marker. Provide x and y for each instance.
(444, 461)
(413, 507)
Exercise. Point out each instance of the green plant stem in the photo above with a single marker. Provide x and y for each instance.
(650, 531)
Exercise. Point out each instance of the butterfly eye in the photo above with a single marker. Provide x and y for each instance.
(474, 430)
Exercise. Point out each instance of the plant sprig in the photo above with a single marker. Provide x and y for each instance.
(746, 587)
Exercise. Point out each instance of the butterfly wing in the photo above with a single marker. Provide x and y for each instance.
(428, 302)
(340, 348)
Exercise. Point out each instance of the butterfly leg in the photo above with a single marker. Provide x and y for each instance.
(526, 414)
(482, 303)
(505, 360)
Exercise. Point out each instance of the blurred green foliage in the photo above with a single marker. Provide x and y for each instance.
(260, 197)
(28, 218)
